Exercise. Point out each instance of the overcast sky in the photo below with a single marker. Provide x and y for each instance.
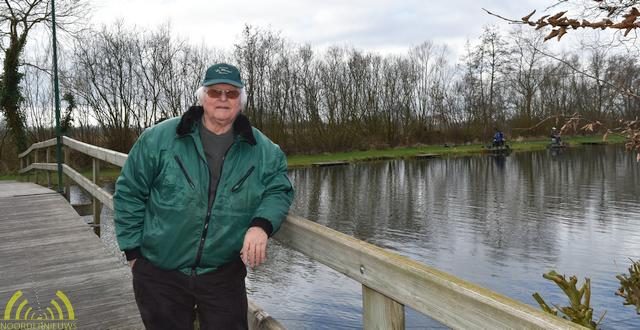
(385, 26)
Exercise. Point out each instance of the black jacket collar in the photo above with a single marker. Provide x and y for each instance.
(241, 125)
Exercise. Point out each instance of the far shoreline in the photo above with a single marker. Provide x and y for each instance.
(301, 161)
(110, 173)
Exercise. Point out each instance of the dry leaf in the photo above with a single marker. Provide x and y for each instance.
(552, 34)
(526, 18)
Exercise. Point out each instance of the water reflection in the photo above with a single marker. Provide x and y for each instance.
(499, 222)
(107, 229)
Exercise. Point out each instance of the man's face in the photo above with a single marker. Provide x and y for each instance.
(221, 104)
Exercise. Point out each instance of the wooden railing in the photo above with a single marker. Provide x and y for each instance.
(389, 281)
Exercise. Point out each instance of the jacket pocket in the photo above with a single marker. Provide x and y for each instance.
(242, 180)
(184, 171)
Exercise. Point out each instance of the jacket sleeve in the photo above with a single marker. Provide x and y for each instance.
(131, 194)
(278, 193)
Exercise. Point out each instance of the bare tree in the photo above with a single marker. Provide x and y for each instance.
(424, 65)
(254, 56)
(485, 67)
(38, 96)
(18, 18)
(149, 55)
(432, 88)
(622, 70)
(105, 81)
(310, 117)
(524, 72)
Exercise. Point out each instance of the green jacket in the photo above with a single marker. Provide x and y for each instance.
(161, 195)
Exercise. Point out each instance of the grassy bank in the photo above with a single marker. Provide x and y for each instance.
(295, 161)
(408, 152)
(106, 175)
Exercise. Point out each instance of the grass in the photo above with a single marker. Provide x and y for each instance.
(407, 152)
(108, 174)
(8, 176)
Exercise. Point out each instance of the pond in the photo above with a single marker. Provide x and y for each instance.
(499, 222)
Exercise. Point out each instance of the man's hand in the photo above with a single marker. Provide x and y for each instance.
(132, 262)
(254, 249)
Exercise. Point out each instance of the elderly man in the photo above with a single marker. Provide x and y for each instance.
(195, 202)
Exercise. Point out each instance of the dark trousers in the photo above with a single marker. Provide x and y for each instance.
(166, 299)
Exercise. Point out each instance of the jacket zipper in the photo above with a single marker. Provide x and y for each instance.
(243, 179)
(184, 171)
(208, 217)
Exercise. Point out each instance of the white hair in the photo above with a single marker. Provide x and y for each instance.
(202, 91)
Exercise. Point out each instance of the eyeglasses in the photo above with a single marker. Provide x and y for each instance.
(217, 93)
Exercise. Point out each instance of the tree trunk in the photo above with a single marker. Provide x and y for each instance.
(10, 96)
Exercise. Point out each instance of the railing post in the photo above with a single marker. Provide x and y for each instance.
(97, 206)
(21, 167)
(67, 185)
(35, 160)
(380, 311)
(27, 159)
(47, 158)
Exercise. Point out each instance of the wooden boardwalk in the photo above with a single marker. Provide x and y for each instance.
(45, 247)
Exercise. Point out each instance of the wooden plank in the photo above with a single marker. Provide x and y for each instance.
(48, 153)
(67, 184)
(83, 209)
(70, 259)
(35, 160)
(422, 156)
(13, 189)
(446, 298)
(102, 195)
(381, 312)
(260, 320)
(39, 145)
(109, 156)
(335, 163)
(92, 188)
(95, 203)
(73, 268)
(45, 247)
(35, 229)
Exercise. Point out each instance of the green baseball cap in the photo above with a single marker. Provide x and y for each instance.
(222, 73)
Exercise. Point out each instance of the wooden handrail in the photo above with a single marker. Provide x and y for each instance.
(444, 297)
(390, 281)
(107, 155)
(39, 145)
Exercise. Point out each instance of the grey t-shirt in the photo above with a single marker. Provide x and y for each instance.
(215, 147)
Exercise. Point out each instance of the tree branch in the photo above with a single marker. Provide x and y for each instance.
(504, 18)
(572, 67)
(560, 24)
(37, 68)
